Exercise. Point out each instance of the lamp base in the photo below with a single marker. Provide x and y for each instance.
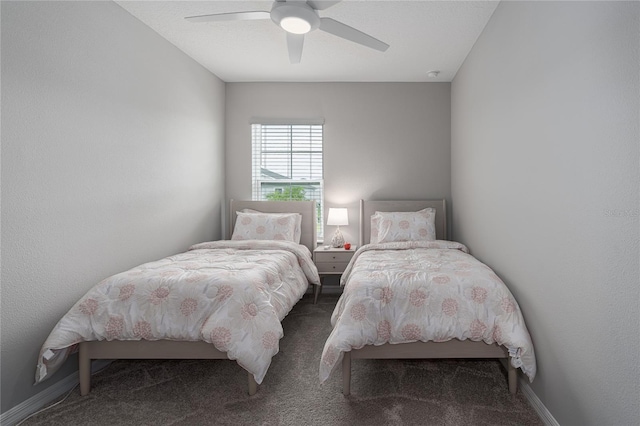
(338, 240)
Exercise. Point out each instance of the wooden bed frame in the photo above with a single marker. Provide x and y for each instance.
(419, 350)
(170, 349)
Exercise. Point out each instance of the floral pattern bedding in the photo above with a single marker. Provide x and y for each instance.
(424, 291)
(232, 294)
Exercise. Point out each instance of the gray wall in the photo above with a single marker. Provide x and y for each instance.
(545, 180)
(381, 140)
(112, 155)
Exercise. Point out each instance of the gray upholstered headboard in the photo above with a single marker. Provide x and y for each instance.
(306, 208)
(368, 208)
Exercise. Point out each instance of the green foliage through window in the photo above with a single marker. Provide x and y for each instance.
(295, 193)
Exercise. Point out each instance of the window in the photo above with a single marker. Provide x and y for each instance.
(287, 164)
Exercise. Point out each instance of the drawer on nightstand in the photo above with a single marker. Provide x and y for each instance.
(334, 257)
(331, 267)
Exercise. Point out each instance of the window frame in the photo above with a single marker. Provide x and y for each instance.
(260, 132)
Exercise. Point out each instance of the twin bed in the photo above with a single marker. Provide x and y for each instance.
(408, 293)
(218, 300)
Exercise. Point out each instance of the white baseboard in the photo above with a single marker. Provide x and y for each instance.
(535, 402)
(46, 397)
(532, 398)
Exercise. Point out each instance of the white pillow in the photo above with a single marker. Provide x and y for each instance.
(375, 221)
(403, 226)
(298, 231)
(252, 225)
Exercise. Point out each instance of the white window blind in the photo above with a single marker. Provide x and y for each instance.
(287, 164)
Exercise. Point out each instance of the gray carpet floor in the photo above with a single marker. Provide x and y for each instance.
(383, 392)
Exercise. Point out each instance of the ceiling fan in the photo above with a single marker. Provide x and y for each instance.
(298, 17)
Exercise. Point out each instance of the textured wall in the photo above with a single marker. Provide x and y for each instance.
(112, 155)
(381, 140)
(546, 184)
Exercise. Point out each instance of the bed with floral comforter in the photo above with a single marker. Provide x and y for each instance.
(424, 291)
(232, 294)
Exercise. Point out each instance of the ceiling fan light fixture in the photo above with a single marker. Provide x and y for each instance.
(295, 25)
(295, 17)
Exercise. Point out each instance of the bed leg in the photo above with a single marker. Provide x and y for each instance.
(513, 377)
(316, 292)
(253, 385)
(346, 374)
(84, 369)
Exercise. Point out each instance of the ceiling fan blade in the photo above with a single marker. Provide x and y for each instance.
(294, 44)
(232, 16)
(342, 30)
(322, 4)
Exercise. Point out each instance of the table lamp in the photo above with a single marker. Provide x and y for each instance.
(337, 217)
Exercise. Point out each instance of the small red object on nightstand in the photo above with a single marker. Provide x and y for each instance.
(347, 246)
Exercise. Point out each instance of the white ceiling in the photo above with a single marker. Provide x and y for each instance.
(423, 36)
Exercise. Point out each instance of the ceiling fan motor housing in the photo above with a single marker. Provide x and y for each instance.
(296, 10)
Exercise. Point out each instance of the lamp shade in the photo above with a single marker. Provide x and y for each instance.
(338, 217)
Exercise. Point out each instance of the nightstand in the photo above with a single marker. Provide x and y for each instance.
(332, 261)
